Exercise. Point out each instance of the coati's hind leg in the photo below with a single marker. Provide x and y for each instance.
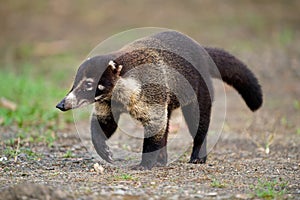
(198, 123)
(102, 129)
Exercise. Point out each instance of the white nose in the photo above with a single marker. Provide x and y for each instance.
(71, 97)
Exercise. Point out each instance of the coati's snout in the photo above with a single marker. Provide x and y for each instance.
(76, 98)
(61, 105)
(71, 102)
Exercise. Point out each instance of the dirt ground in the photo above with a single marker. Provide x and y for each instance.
(236, 166)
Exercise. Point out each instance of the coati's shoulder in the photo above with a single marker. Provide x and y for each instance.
(130, 59)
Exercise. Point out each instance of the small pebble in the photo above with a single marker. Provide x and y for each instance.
(98, 168)
(211, 194)
(119, 192)
(3, 159)
(242, 196)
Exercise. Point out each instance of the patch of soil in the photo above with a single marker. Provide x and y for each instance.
(237, 162)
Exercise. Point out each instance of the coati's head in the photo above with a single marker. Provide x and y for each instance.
(94, 81)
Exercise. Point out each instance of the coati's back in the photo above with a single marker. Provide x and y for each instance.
(186, 55)
(176, 43)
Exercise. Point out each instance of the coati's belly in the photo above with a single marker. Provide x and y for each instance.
(139, 106)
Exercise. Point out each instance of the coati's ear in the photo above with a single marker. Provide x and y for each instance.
(115, 67)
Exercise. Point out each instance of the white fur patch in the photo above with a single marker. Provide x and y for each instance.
(89, 89)
(89, 80)
(101, 87)
(120, 68)
(112, 64)
(98, 97)
(126, 89)
(131, 84)
(71, 97)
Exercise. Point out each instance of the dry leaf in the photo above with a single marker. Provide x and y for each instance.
(98, 168)
(5, 103)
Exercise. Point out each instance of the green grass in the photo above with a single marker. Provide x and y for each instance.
(286, 36)
(296, 105)
(23, 142)
(269, 189)
(35, 99)
(124, 177)
(35, 119)
(217, 184)
(284, 121)
(68, 154)
(12, 153)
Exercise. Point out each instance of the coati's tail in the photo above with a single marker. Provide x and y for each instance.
(235, 73)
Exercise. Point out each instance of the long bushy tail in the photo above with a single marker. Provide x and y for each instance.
(235, 73)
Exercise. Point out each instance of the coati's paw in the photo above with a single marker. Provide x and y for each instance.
(108, 157)
(140, 167)
(105, 154)
(158, 164)
(198, 160)
(144, 165)
(162, 159)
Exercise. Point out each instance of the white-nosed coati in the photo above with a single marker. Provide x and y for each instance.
(148, 79)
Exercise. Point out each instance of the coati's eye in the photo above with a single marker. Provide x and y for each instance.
(88, 85)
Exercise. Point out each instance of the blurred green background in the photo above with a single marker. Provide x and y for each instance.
(43, 42)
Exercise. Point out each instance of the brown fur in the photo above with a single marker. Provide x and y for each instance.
(151, 77)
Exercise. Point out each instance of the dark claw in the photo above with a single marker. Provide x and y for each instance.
(105, 153)
(198, 160)
(140, 167)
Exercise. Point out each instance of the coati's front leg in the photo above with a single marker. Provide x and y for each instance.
(102, 128)
(154, 146)
(162, 158)
(154, 150)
